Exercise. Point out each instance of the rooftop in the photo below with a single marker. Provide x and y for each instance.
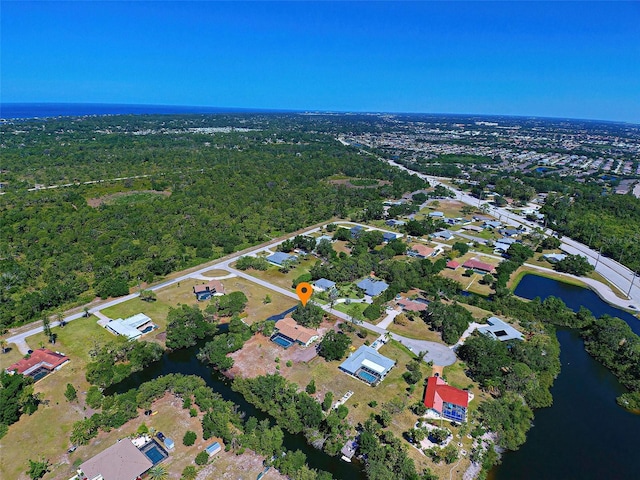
(280, 257)
(121, 461)
(500, 330)
(41, 357)
(437, 388)
(369, 358)
(290, 328)
(372, 287)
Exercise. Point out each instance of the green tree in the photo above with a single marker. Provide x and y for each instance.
(189, 438)
(38, 468)
(308, 316)
(334, 345)
(70, 393)
(311, 387)
(202, 458)
(575, 265)
(189, 473)
(328, 401)
(185, 326)
(158, 472)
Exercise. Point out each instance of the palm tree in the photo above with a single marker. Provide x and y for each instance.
(158, 472)
(3, 345)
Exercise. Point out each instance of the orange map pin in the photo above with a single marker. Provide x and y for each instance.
(304, 291)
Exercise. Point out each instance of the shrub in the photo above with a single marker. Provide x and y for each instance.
(189, 438)
(202, 458)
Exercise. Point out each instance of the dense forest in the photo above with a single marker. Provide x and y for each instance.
(202, 195)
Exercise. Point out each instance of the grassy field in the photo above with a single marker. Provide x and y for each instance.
(344, 308)
(415, 329)
(284, 280)
(53, 421)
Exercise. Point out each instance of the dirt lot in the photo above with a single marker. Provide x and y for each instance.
(258, 356)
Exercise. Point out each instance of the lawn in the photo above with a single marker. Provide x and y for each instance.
(415, 329)
(352, 307)
(284, 280)
(53, 422)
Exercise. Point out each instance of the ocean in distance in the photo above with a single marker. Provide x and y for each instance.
(48, 110)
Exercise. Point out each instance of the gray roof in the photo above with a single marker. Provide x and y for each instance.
(324, 237)
(446, 234)
(324, 283)
(554, 257)
(122, 461)
(389, 236)
(372, 287)
(500, 330)
(364, 354)
(279, 258)
(436, 214)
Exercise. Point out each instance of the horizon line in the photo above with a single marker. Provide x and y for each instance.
(282, 110)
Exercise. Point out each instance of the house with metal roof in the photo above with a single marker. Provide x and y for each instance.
(132, 327)
(554, 257)
(355, 231)
(121, 461)
(368, 365)
(500, 330)
(322, 285)
(443, 234)
(279, 258)
(446, 401)
(388, 236)
(372, 287)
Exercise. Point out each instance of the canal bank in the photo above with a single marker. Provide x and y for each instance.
(585, 434)
(184, 361)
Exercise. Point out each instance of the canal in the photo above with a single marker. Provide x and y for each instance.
(185, 362)
(585, 434)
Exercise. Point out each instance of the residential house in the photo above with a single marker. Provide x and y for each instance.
(132, 327)
(355, 231)
(388, 236)
(324, 237)
(443, 234)
(448, 402)
(421, 251)
(368, 365)
(510, 232)
(479, 266)
(289, 330)
(394, 223)
(323, 285)
(500, 330)
(417, 305)
(491, 224)
(207, 290)
(40, 363)
(372, 287)
(121, 461)
(436, 214)
(214, 448)
(280, 258)
(473, 228)
(452, 264)
(554, 257)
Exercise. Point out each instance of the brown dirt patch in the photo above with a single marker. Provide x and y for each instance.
(258, 355)
(347, 183)
(96, 202)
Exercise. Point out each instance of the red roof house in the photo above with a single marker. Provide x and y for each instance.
(39, 361)
(452, 264)
(448, 401)
(474, 264)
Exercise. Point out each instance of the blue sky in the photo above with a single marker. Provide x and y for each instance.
(574, 59)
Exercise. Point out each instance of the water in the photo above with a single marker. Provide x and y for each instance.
(282, 315)
(585, 434)
(46, 110)
(532, 286)
(185, 362)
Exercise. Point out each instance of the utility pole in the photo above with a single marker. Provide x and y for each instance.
(633, 277)
(598, 259)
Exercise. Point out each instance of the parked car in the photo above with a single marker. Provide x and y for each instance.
(160, 435)
(72, 449)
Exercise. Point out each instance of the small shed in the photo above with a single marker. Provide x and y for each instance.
(213, 449)
(170, 444)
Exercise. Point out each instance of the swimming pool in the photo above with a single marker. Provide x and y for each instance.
(367, 377)
(154, 452)
(148, 329)
(283, 342)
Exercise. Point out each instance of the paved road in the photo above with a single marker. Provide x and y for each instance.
(619, 275)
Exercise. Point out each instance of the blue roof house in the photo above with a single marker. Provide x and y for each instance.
(388, 236)
(213, 449)
(279, 258)
(368, 365)
(372, 287)
(323, 284)
(355, 231)
(500, 330)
